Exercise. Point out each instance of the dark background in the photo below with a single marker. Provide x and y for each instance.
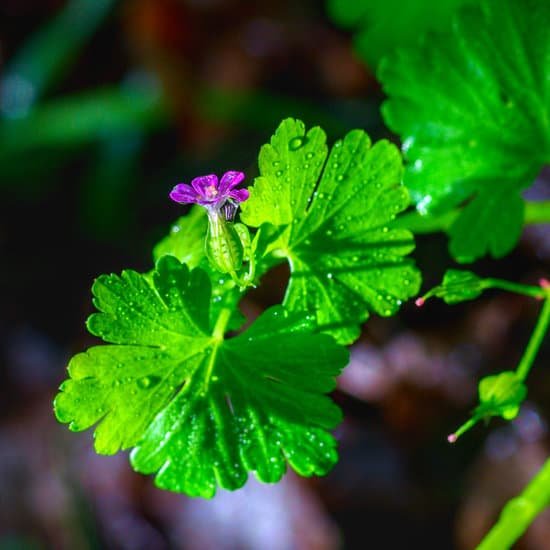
(104, 107)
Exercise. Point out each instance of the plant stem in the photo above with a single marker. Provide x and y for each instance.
(534, 343)
(517, 288)
(519, 512)
(221, 323)
(535, 212)
(217, 335)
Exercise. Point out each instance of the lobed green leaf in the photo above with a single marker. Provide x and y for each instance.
(333, 213)
(200, 410)
(473, 111)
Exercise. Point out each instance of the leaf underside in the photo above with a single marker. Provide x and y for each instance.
(473, 111)
(201, 411)
(335, 210)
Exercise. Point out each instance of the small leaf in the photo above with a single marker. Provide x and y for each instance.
(457, 286)
(500, 395)
(333, 216)
(200, 410)
(472, 109)
(186, 239)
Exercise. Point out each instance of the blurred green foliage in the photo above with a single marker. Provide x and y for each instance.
(382, 25)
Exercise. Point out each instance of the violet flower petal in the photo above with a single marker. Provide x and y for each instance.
(239, 195)
(183, 193)
(201, 184)
(229, 181)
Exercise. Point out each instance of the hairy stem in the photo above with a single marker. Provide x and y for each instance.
(519, 512)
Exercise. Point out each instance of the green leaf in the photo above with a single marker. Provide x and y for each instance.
(500, 395)
(473, 111)
(491, 222)
(383, 25)
(186, 238)
(201, 411)
(333, 215)
(186, 242)
(457, 286)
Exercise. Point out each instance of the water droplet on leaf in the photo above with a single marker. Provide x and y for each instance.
(296, 142)
(147, 382)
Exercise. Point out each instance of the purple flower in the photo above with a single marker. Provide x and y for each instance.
(206, 191)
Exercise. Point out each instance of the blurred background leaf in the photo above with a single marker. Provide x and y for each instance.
(381, 26)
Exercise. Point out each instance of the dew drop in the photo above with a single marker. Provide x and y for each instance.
(279, 173)
(295, 143)
(147, 382)
(330, 275)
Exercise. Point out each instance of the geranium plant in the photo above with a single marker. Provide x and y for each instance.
(183, 380)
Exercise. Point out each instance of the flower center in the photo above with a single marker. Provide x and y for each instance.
(211, 192)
